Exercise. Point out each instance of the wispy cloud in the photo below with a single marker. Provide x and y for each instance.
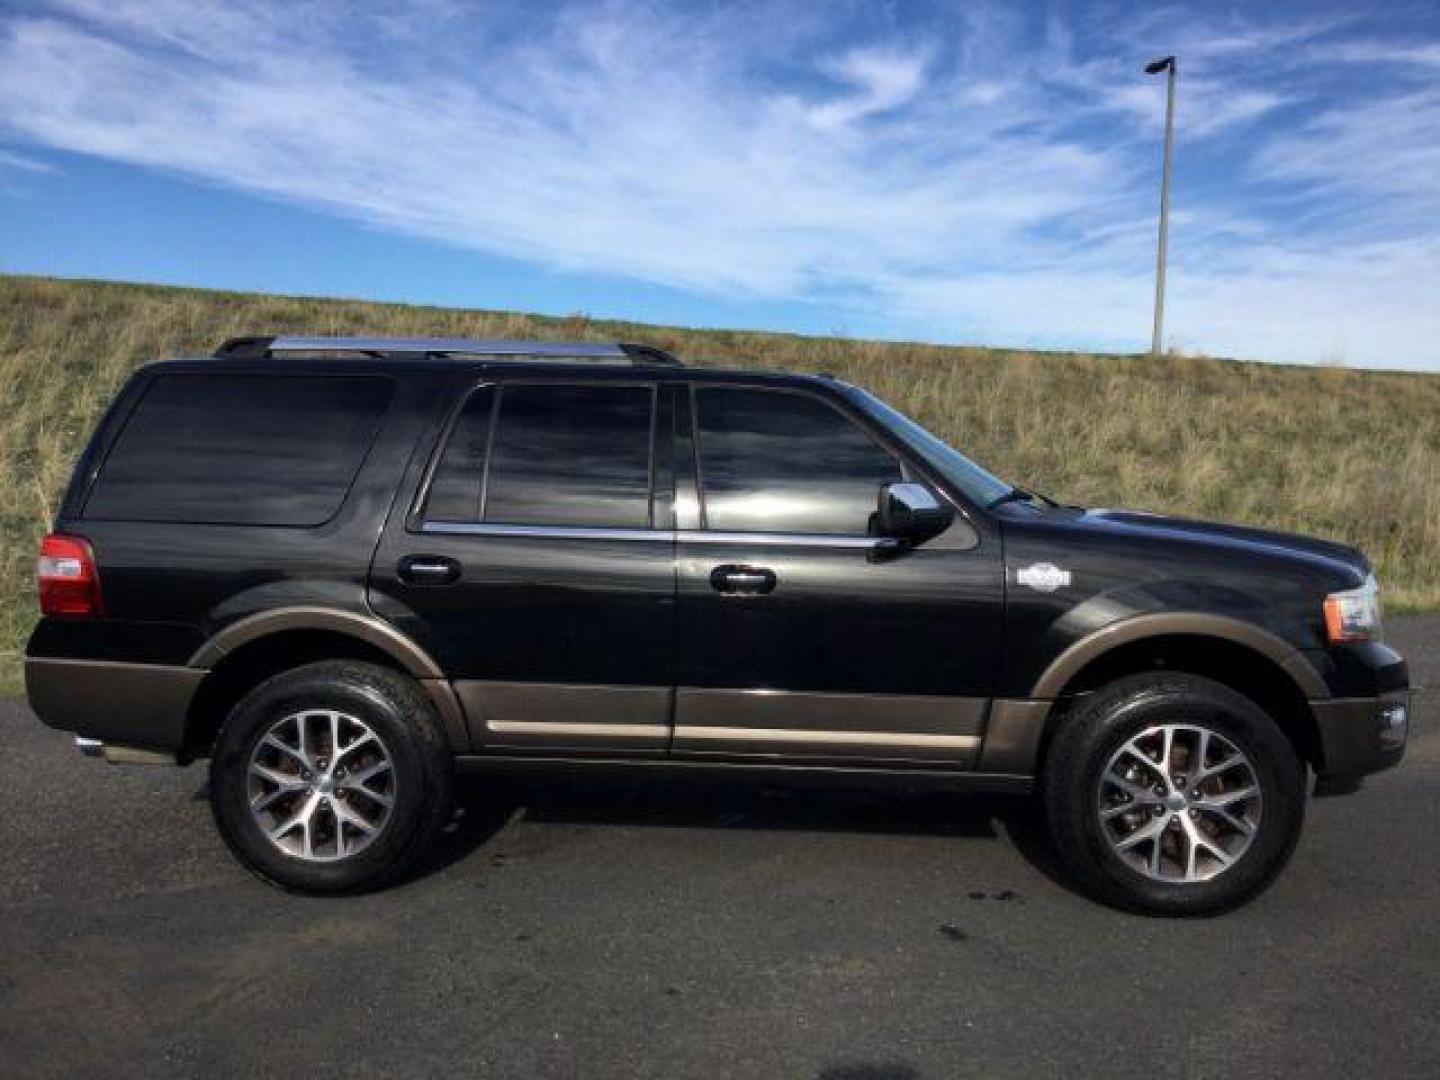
(10, 160)
(877, 81)
(1387, 148)
(1422, 55)
(975, 177)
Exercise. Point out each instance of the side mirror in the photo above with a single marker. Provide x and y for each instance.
(911, 512)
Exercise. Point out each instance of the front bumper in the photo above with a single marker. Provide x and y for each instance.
(1361, 735)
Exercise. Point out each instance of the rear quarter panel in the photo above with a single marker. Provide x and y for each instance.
(169, 587)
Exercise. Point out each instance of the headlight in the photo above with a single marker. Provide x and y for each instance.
(1354, 615)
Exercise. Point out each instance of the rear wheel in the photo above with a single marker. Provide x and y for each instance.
(331, 778)
(1174, 794)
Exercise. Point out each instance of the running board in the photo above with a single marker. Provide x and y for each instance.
(820, 775)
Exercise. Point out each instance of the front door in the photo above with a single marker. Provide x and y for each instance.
(535, 570)
(796, 642)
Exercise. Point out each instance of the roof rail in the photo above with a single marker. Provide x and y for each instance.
(259, 348)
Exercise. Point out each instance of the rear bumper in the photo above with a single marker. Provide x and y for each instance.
(137, 705)
(1361, 735)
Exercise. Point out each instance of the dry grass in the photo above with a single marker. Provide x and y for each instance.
(1339, 453)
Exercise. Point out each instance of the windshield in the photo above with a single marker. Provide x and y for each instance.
(978, 485)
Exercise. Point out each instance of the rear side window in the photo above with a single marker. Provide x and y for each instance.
(240, 449)
(772, 461)
(458, 483)
(548, 455)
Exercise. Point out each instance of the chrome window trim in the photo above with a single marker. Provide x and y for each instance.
(553, 532)
(679, 536)
(762, 539)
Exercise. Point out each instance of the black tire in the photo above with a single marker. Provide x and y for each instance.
(400, 717)
(1101, 724)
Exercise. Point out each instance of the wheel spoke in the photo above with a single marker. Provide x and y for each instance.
(1220, 769)
(273, 741)
(1141, 795)
(1229, 798)
(368, 773)
(1239, 824)
(275, 776)
(285, 784)
(264, 802)
(1137, 755)
(1218, 853)
(302, 738)
(1192, 850)
(300, 819)
(1140, 835)
(307, 831)
(1137, 796)
(347, 816)
(376, 797)
(363, 740)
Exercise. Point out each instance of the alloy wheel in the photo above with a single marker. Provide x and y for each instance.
(321, 785)
(1179, 803)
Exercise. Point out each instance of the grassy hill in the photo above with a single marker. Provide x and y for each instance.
(1345, 454)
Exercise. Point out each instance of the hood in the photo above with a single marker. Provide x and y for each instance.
(1186, 528)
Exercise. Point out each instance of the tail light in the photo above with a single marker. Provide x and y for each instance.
(69, 578)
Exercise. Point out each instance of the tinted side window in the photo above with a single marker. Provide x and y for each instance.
(458, 483)
(240, 449)
(571, 455)
(772, 461)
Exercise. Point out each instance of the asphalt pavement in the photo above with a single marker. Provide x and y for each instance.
(595, 931)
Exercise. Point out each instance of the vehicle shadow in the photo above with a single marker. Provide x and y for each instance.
(485, 806)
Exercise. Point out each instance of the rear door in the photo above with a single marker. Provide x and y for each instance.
(795, 642)
(538, 564)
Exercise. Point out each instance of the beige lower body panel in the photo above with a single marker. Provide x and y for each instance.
(794, 724)
(442, 695)
(139, 705)
(563, 716)
(1012, 737)
(803, 727)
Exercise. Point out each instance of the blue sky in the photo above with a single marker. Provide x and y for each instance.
(955, 172)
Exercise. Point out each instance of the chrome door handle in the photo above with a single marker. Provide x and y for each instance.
(735, 580)
(428, 570)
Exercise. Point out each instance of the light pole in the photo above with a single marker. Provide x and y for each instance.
(1155, 68)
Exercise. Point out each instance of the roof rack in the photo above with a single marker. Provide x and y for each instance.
(259, 348)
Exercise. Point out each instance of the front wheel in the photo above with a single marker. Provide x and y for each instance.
(1173, 794)
(331, 778)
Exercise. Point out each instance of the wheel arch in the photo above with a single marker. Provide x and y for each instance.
(1246, 658)
(247, 652)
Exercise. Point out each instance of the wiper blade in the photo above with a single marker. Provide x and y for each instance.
(1019, 494)
(1015, 494)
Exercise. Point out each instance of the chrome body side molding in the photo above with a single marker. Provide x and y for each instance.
(560, 715)
(801, 724)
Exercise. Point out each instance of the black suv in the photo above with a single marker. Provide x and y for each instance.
(344, 568)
